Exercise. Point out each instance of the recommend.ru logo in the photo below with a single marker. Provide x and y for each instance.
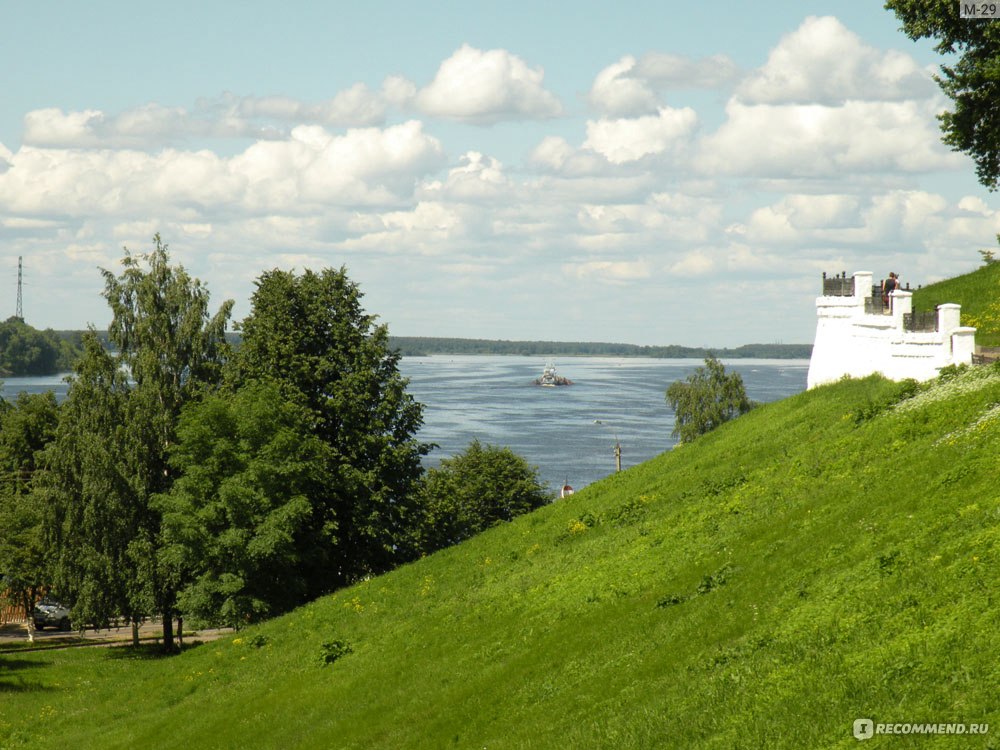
(865, 729)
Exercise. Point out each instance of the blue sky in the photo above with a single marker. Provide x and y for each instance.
(652, 173)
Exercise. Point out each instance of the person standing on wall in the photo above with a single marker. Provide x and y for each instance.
(888, 286)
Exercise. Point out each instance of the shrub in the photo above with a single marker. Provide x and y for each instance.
(706, 399)
(330, 651)
(477, 489)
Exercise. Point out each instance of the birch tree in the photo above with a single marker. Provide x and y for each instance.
(172, 350)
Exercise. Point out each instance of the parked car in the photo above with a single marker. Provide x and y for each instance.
(51, 613)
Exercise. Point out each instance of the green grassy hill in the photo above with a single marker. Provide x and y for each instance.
(977, 292)
(824, 558)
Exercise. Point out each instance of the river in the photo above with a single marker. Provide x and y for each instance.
(492, 398)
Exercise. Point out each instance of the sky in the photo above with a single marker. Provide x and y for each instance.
(639, 172)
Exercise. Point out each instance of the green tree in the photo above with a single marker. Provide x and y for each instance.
(25, 430)
(92, 512)
(237, 522)
(474, 490)
(173, 349)
(27, 351)
(972, 83)
(310, 335)
(705, 399)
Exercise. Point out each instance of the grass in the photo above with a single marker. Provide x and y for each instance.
(824, 558)
(977, 292)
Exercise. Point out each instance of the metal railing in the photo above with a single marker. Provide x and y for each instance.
(881, 285)
(880, 303)
(838, 286)
(986, 355)
(922, 320)
(876, 305)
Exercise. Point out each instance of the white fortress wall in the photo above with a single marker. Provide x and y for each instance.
(850, 341)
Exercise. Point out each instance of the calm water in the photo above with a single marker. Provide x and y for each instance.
(493, 399)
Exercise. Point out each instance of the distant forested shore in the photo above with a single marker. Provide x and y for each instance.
(414, 346)
(27, 351)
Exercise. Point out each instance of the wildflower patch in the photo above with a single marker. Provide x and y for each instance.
(974, 430)
(956, 382)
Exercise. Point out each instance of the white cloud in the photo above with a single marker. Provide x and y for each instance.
(485, 87)
(976, 205)
(666, 71)
(823, 62)
(818, 140)
(603, 219)
(797, 218)
(363, 166)
(152, 126)
(399, 91)
(630, 87)
(770, 225)
(567, 192)
(821, 211)
(979, 231)
(553, 152)
(312, 167)
(695, 263)
(617, 92)
(17, 222)
(900, 220)
(607, 270)
(135, 232)
(149, 126)
(53, 127)
(472, 85)
(477, 178)
(554, 155)
(629, 139)
(424, 230)
(663, 216)
(743, 260)
(154, 123)
(433, 217)
(632, 202)
(909, 215)
(354, 106)
(687, 202)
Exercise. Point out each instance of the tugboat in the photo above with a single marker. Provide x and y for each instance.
(550, 379)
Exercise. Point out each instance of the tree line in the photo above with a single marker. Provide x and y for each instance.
(412, 346)
(24, 350)
(185, 478)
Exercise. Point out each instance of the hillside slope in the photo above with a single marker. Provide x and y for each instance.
(977, 292)
(822, 559)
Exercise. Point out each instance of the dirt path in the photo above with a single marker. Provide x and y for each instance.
(14, 636)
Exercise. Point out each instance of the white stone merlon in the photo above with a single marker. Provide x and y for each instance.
(963, 344)
(853, 342)
(949, 316)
